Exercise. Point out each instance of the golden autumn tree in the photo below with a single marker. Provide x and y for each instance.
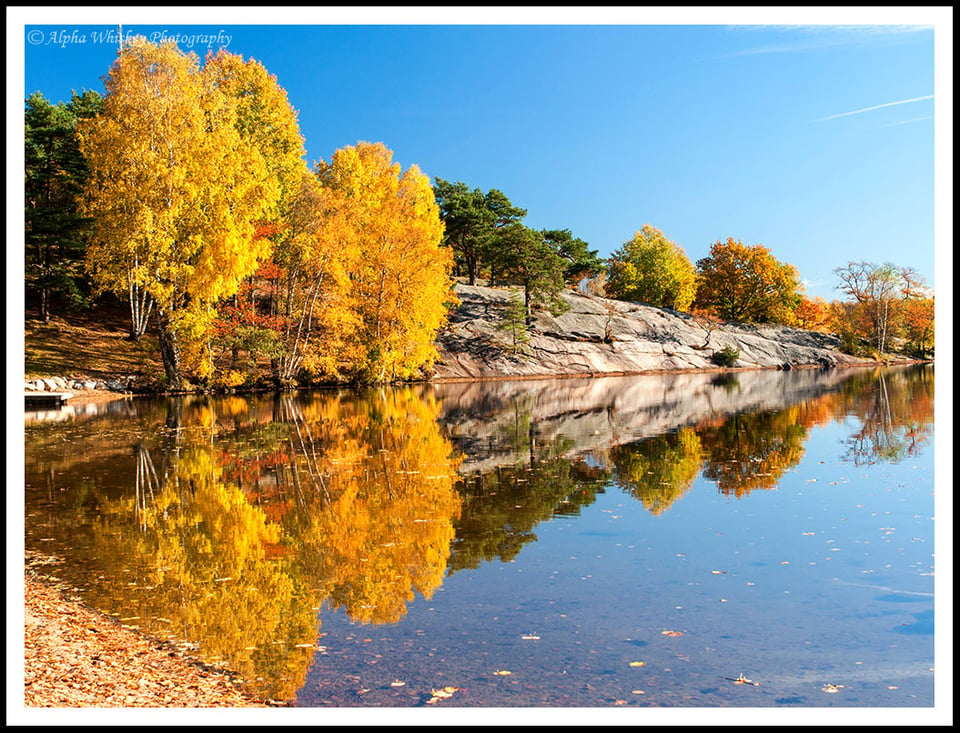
(175, 190)
(400, 283)
(265, 118)
(312, 287)
(268, 318)
(651, 269)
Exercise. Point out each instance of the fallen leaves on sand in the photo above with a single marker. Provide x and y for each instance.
(75, 657)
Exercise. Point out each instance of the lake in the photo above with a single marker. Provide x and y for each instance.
(739, 540)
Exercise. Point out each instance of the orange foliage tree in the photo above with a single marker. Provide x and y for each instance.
(918, 324)
(740, 282)
(813, 314)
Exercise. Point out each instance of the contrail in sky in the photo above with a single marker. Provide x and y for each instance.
(907, 122)
(878, 106)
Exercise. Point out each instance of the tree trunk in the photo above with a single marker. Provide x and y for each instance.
(471, 260)
(170, 352)
(140, 306)
(45, 304)
(275, 365)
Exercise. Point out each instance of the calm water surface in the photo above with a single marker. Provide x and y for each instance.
(632, 541)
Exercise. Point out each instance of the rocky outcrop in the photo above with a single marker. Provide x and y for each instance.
(598, 336)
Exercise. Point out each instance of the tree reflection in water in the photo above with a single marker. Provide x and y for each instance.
(257, 519)
(657, 471)
(895, 410)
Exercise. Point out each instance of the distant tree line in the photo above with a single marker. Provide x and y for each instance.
(886, 307)
(184, 192)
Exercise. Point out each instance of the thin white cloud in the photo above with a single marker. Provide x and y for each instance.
(906, 122)
(801, 38)
(876, 106)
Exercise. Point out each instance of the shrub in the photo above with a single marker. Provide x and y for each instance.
(726, 357)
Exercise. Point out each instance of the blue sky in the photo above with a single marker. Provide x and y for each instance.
(815, 140)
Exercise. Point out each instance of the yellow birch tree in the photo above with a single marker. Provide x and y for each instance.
(175, 190)
(316, 256)
(400, 279)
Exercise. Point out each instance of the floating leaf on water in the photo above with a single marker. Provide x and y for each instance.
(442, 694)
(741, 680)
